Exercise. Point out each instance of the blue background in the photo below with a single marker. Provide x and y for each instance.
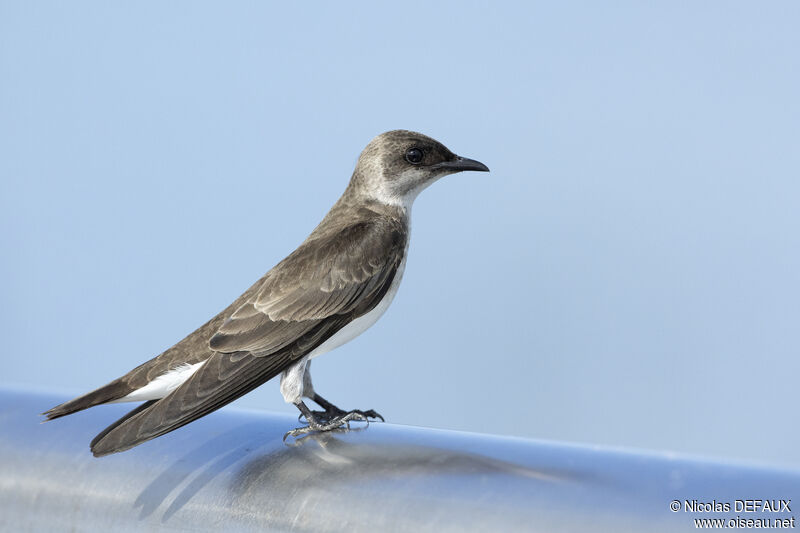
(628, 274)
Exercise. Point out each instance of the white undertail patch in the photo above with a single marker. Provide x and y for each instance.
(163, 384)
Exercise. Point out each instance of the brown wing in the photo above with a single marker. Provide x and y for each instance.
(323, 278)
(300, 303)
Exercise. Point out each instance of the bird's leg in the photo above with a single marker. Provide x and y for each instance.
(331, 411)
(315, 424)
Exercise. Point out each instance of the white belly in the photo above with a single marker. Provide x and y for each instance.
(364, 322)
(171, 380)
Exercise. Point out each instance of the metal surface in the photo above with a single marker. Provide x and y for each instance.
(232, 472)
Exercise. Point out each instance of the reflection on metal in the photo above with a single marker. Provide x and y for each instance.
(231, 471)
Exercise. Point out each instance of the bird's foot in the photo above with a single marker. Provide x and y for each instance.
(333, 412)
(336, 422)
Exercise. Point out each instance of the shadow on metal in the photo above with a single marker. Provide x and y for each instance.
(231, 471)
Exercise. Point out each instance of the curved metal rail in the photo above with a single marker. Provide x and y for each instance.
(231, 471)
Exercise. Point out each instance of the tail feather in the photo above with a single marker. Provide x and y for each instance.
(115, 425)
(112, 391)
(220, 381)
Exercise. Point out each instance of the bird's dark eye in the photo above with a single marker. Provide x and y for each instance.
(414, 156)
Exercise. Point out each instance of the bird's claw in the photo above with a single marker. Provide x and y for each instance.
(371, 413)
(328, 425)
(333, 414)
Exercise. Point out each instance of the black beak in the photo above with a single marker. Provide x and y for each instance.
(459, 164)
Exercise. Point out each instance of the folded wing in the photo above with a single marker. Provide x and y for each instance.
(323, 285)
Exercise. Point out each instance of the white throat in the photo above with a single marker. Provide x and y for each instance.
(379, 189)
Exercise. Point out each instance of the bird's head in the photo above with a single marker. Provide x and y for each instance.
(396, 165)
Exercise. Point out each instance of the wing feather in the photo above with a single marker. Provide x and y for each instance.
(323, 278)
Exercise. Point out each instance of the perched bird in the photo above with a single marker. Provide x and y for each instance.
(333, 287)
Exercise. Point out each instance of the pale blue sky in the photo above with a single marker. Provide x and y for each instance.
(628, 274)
